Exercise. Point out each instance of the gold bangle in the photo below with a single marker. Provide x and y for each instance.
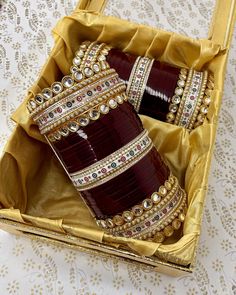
(138, 80)
(197, 104)
(66, 83)
(195, 101)
(133, 216)
(67, 92)
(203, 109)
(185, 93)
(176, 98)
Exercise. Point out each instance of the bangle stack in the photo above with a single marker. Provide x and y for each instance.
(91, 90)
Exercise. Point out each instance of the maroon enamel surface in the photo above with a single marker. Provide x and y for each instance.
(114, 130)
(98, 140)
(161, 83)
(129, 188)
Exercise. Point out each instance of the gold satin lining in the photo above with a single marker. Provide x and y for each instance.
(33, 186)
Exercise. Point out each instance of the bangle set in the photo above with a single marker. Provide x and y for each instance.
(93, 89)
(187, 108)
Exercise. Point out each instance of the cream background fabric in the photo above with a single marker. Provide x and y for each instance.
(31, 267)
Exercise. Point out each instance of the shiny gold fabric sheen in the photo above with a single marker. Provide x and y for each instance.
(34, 187)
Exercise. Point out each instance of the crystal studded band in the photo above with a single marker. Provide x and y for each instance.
(183, 99)
(138, 80)
(114, 164)
(78, 100)
(191, 99)
(155, 221)
(156, 217)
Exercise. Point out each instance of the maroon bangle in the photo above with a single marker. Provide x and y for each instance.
(100, 141)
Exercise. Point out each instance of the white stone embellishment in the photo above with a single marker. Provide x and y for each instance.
(88, 72)
(67, 81)
(112, 104)
(83, 121)
(78, 76)
(47, 93)
(96, 68)
(104, 109)
(39, 100)
(156, 198)
(94, 115)
(178, 91)
(79, 53)
(64, 131)
(77, 61)
(57, 87)
(73, 126)
(32, 104)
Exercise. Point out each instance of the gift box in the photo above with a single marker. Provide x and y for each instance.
(36, 197)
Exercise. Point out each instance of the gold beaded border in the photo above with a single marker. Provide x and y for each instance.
(131, 217)
(176, 98)
(104, 97)
(136, 84)
(185, 93)
(93, 114)
(159, 230)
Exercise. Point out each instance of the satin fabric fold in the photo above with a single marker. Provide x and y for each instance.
(31, 178)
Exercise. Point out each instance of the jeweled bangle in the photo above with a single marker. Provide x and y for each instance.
(166, 90)
(195, 100)
(176, 99)
(79, 103)
(183, 99)
(63, 88)
(204, 103)
(157, 216)
(109, 157)
(73, 124)
(138, 80)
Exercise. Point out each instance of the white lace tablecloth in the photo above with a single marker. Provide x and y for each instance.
(32, 267)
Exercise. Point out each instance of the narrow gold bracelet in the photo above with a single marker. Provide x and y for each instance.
(176, 98)
(185, 93)
(138, 80)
